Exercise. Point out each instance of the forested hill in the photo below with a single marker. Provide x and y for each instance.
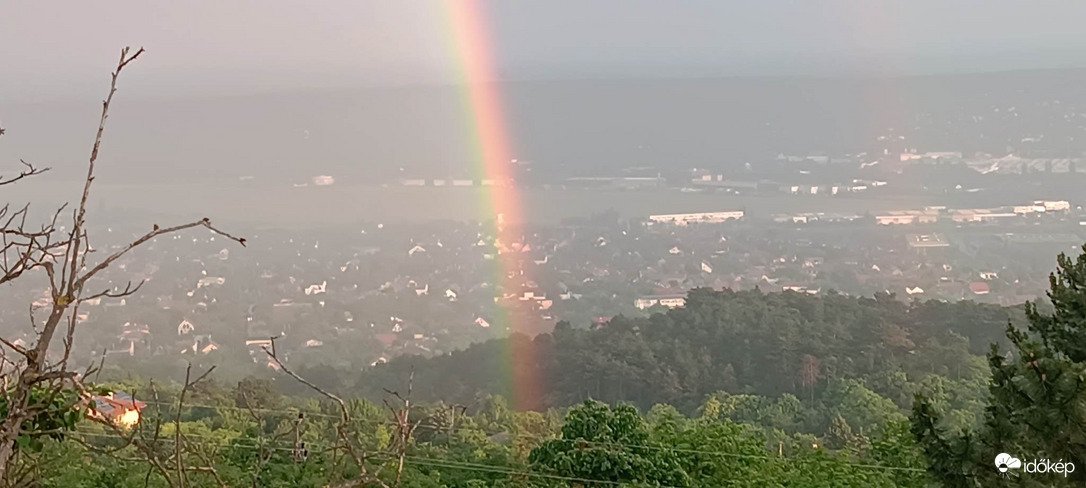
(739, 342)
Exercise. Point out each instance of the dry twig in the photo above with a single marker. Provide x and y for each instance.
(64, 258)
(345, 437)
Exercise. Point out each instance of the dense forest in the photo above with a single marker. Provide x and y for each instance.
(768, 344)
(254, 438)
(735, 388)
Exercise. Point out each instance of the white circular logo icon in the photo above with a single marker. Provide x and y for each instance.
(1005, 462)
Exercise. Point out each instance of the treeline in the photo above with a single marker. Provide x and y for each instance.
(741, 342)
(249, 435)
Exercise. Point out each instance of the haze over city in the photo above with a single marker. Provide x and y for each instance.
(536, 244)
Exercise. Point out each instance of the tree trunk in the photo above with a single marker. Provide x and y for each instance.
(12, 424)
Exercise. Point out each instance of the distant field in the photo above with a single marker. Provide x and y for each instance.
(340, 204)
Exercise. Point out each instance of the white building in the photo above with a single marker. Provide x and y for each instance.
(185, 327)
(895, 219)
(1054, 205)
(1028, 209)
(979, 215)
(316, 289)
(209, 281)
(904, 217)
(669, 301)
(696, 218)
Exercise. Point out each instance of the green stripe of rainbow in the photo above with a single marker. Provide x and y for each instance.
(491, 154)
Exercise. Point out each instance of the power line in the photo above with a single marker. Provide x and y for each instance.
(426, 461)
(545, 438)
(738, 455)
(466, 466)
(487, 468)
(223, 443)
(246, 410)
(703, 452)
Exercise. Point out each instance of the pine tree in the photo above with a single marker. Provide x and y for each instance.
(1037, 404)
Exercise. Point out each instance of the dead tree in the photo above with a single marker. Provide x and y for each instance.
(404, 426)
(266, 446)
(346, 443)
(64, 258)
(24, 248)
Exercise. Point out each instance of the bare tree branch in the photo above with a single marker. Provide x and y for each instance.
(23, 249)
(147, 450)
(343, 429)
(182, 478)
(404, 428)
(264, 454)
(77, 284)
(26, 173)
(129, 290)
(77, 228)
(13, 347)
(169, 463)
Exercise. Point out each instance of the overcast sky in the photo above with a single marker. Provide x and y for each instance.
(61, 49)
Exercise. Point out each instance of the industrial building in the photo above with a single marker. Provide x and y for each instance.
(696, 218)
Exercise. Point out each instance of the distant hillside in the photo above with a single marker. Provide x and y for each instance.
(747, 342)
(369, 133)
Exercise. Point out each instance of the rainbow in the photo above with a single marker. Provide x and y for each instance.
(492, 157)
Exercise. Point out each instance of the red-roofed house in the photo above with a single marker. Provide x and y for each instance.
(387, 339)
(117, 407)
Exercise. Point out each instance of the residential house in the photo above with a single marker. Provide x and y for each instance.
(117, 407)
(210, 281)
(669, 301)
(131, 333)
(316, 289)
(800, 288)
(202, 344)
(185, 327)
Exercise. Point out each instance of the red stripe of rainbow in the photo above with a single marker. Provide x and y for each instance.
(502, 201)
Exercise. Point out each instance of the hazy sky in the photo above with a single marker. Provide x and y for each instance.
(61, 49)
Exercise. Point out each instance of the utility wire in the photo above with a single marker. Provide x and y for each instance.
(545, 438)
